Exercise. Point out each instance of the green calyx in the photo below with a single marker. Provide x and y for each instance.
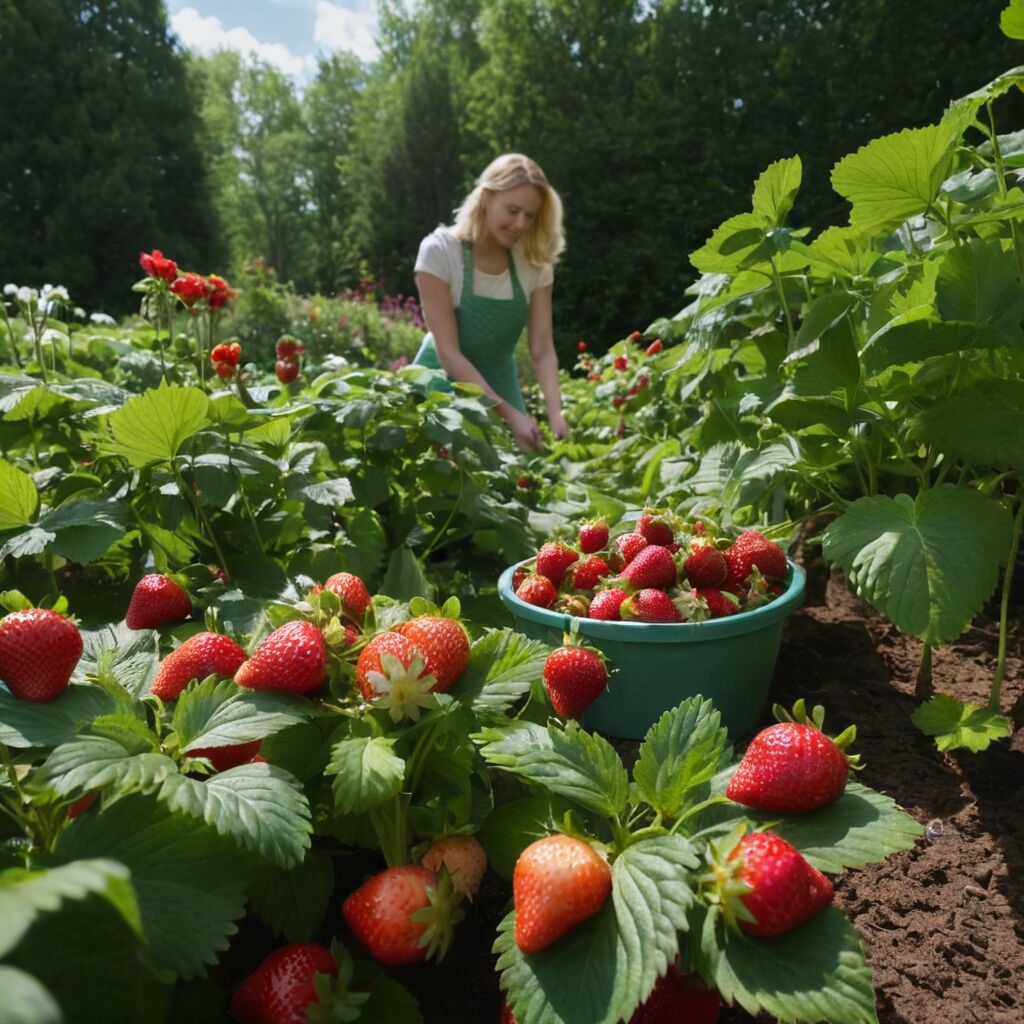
(336, 1002)
(722, 885)
(816, 720)
(441, 915)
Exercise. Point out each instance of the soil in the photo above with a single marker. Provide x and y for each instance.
(943, 923)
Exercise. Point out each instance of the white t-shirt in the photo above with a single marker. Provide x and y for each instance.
(441, 255)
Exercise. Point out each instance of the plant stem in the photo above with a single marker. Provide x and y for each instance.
(444, 529)
(389, 823)
(925, 688)
(197, 504)
(1018, 246)
(1004, 607)
(785, 305)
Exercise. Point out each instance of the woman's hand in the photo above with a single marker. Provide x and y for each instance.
(524, 429)
(558, 425)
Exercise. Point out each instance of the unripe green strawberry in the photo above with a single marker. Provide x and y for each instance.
(574, 678)
(463, 858)
(157, 599)
(537, 590)
(558, 882)
(553, 559)
(705, 566)
(39, 650)
(293, 659)
(444, 645)
(202, 655)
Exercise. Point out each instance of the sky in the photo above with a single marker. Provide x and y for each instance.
(286, 33)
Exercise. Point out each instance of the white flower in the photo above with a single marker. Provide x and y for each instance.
(79, 312)
(51, 336)
(402, 691)
(102, 318)
(10, 289)
(55, 292)
(27, 295)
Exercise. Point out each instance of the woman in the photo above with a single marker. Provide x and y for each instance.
(487, 277)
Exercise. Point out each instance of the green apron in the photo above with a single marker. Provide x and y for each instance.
(488, 332)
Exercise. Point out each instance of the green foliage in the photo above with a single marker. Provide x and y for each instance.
(958, 726)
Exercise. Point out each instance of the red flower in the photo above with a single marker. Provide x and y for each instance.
(218, 291)
(190, 288)
(155, 264)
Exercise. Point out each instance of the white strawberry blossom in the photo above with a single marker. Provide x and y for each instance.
(402, 691)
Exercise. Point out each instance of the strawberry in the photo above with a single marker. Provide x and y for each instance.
(655, 347)
(593, 536)
(82, 804)
(537, 590)
(355, 598)
(607, 605)
(620, 363)
(202, 655)
(754, 549)
(506, 1015)
(463, 858)
(705, 566)
(785, 891)
(793, 766)
(650, 606)
(558, 882)
(281, 989)
(403, 915)
(574, 678)
(588, 572)
(224, 370)
(635, 336)
(676, 998)
(286, 347)
(39, 650)
(654, 566)
(655, 529)
(716, 603)
(391, 671)
(219, 354)
(223, 758)
(519, 574)
(444, 645)
(553, 559)
(157, 599)
(293, 659)
(287, 370)
(627, 546)
(234, 353)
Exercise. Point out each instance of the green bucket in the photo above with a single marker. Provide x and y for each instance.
(658, 665)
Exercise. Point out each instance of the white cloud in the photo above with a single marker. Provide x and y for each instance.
(342, 28)
(205, 35)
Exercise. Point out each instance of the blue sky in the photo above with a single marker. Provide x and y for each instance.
(286, 33)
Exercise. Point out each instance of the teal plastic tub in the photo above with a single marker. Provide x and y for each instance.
(658, 665)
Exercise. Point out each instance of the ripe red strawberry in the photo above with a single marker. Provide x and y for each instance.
(588, 572)
(519, 574)
(287, 370)
(705, 566)
(789, 767)
(202, 655)
(157, 599)
(678, 998)
(464, 859)
(286, 348)
(558, 882)
(654, 566)
(224, 370)
(620, 363)
(627, 546)
(506, 1015)
(593, 536)
(553, 559)
(754, 549)
(223, 758)
(281, 989)
(369, 659)
(717, 603)
(355, 598)
(39, 650)
(574, 678)
(655, 347)
(786, 889)
(650, 606)
(607, 605)
(380, 914)
(82, 804)
(537, 590)
(293, 659)
(655, 529)
(444, 645)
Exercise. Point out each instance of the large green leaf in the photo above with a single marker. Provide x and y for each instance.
(404, 579)
(739, 476)
(26, 1000)
(603, 968)
(94, 762)
(730, 244)
(502, 666)
(984, 426)
(83, 529)
(842, 251)
(153, 427)
(19, 498)
(815, 973)
(927, 565)
(293, 903)
(220, 714)
(955, 725)
(27, 724)
(367, 772)
(512, 826)
(190, 882)
(259, 806)
(776, 189)
(918, 340)
(117, 654)
(681, 751)
(578, 765)
(896, 176)
(1011, 20)
(979, 282)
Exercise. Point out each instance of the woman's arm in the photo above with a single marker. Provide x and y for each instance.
(545, 360)
(438, 311)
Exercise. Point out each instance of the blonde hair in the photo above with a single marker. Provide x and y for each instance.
(543, 242)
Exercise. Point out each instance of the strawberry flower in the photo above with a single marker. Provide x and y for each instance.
(403, 691)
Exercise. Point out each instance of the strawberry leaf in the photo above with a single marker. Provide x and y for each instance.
(117, 654)
(682, 750)
(260, 806)
(511, 827)
(817, 972)
(188, 899)
(97, 762)
(916, 562)
(367, 772)
(502, 666)
(958, 726)
(575, 764)
(153, 427)
(293, 903)
(19, 498)
(26, 724)
(776, 188)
